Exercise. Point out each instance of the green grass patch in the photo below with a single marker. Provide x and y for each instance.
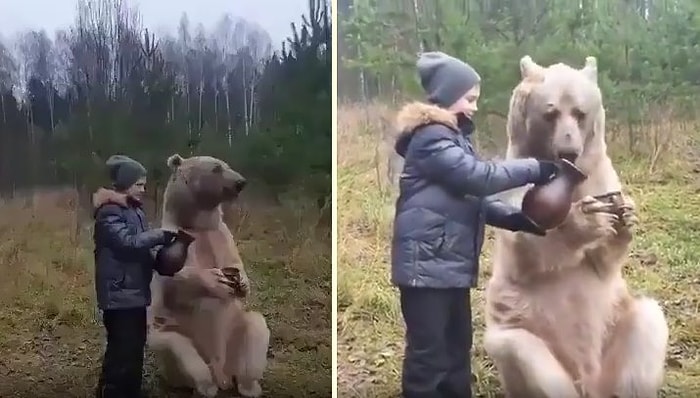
(664, 264)
(51, 342)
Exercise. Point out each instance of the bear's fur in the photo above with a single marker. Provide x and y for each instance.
(202, 335)
(560, 319)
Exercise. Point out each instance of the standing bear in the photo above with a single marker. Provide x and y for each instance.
(560, 319)
(201, 333)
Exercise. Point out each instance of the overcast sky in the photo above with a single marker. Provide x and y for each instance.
(273, 15)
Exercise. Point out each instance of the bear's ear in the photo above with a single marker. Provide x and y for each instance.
(590, 69)
(528, 67)
(175, 161)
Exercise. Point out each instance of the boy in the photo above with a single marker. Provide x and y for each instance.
(439, 224)
(123, 270)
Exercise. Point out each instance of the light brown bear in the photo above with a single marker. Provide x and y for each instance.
(560, 319)
(202, 335)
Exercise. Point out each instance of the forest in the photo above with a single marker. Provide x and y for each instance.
(647, 51)
(107, 84)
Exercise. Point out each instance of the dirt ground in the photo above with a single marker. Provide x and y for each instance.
(51, 341)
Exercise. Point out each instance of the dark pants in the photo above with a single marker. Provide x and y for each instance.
(438, 343)
(122, 367)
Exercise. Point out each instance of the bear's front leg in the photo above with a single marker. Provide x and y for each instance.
(526, 366)
(589, 221)
(628, 220)
(610, 254)
(634, 359)
(239, 279)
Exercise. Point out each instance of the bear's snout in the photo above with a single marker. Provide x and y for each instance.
(239, 185)
(234, 186)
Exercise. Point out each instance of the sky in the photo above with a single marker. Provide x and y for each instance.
(274, 16)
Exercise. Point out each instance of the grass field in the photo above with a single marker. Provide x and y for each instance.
(664, 262)
(51, 342)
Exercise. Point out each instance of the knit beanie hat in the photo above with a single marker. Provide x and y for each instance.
(124, 171)
(444, 78)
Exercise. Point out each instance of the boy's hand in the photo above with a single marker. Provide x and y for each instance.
(168, 236)
(548, 170)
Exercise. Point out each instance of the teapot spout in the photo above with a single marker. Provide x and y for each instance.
(574, 174)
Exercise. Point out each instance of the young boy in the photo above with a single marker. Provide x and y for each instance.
(439, 224)
(123, 272)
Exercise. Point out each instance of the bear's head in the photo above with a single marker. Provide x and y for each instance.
(556, 112)
(200, 183)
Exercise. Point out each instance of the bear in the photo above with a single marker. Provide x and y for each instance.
(560, 318)
(201, 334)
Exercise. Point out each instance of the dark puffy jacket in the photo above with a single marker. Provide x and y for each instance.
(124, 247)
(442, 206)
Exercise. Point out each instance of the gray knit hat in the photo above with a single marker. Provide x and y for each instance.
(444, 78)
(124, 171)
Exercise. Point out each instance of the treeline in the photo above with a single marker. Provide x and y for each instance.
(107, 84)
(648, 50)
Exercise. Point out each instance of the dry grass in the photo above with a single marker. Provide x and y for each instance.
(663, 264)
(51, 342)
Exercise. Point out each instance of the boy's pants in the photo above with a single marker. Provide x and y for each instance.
(438, 342)
(122, 367)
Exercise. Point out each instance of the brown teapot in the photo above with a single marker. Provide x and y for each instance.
(548, 205)
(170, 259)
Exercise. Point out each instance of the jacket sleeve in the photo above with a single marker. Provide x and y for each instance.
(112, 226)
(497, 212)
(438, 156)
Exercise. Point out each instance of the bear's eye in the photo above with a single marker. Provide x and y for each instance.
(551, 114)
(217, 169)
(578, 114)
